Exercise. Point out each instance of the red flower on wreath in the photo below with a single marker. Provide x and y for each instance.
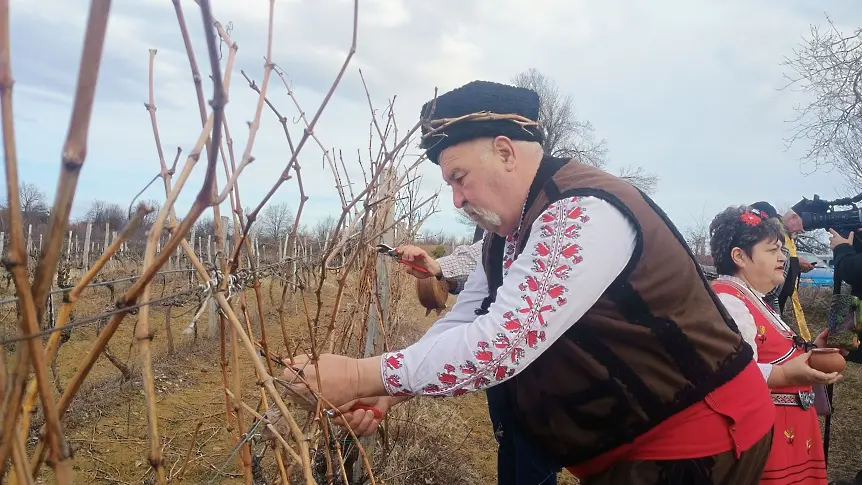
(750, 219)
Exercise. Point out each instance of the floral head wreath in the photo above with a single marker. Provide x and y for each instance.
(753, 217)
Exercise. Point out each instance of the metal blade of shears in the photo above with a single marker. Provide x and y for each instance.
(393, 253)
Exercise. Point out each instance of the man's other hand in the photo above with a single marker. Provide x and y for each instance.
(836, 239)
(419, 257)
(363, 422)
(805, 266)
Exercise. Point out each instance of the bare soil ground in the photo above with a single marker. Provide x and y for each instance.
(428, 441)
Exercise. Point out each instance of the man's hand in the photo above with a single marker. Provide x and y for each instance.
(805, 266)
(836, 239)
(362, 421)
(419, 257)
(337, 378)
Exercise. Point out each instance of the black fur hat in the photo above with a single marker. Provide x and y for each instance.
(476, 110)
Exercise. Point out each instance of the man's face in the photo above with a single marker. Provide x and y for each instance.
(484, 183)
(792, 222)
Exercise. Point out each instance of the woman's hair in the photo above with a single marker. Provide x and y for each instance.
(739, 227)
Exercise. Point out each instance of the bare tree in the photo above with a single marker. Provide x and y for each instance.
(640, 178)
(323, 230)
(34, 208)
(205, 226)
(567, 136)
(696, 236)
(814, 242)
(150, 218)
(276, 222)
(32, 199)
(827, 66)
(101, 212)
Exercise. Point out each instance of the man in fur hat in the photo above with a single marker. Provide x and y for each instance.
(588, 315)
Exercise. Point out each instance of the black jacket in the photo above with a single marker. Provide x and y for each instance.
(848, 268)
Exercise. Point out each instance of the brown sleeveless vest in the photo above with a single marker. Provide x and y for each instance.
(657, 341)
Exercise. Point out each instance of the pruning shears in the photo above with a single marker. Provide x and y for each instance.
(393, 252)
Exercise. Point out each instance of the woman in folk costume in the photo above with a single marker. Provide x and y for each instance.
(747, 248)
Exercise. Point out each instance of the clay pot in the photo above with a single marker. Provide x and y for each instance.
(432, 294)
(827, 360)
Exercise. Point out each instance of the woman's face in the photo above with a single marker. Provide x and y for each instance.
(764, 270)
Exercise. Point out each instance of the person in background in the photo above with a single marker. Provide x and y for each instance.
(847, 253)
(454, 268)
(746, 246)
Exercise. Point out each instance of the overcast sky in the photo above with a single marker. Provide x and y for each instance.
(689, 89)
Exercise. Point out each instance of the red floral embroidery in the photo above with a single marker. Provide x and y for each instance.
(517, 354)
(530, 284)
(555, 291)
(534, 337)
(431, 388)
(575, 213)
(571, 232)
(481, 382)
(562, 272)
(512, 324)
(394, 360)
(447, 378)
(570, 252)
(539, 266)
(483, 355)
(542, 250)
(502, 341)
(502, 372)
(393, 381)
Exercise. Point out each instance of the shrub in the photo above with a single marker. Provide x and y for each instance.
(438, 251)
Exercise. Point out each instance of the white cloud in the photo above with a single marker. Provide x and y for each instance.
(687, 89)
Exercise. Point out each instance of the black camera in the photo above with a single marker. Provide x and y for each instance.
(821, 214)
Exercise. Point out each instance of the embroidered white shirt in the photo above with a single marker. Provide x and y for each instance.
(576, 248)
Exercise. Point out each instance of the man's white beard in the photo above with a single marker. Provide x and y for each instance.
(486, 219)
